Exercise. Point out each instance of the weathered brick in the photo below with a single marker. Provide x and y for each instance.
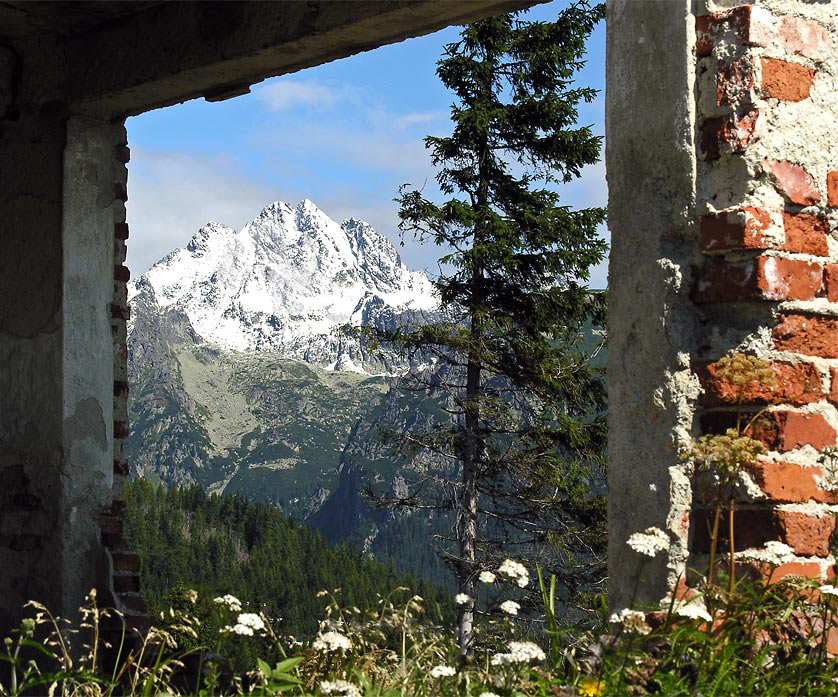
(120, 311)
(121, 273)
(790, 82)
(763, 278)
(831, 281)
(120, 388)
(809, 335)
(735, 81)
(797, 384)
(738, 228)
(778, 430)
(126, 583)
(120, 231)
(745, 24)
(752, 528)
(120, 429)
(122, 153)
(806, 234)
(793, 182)
(120, 192)
(133, 601)
(126, 561)
(730, 133)
(111, 523)
(832, 188)
(803, 36)
(786, 482)
(120, 467)
(833, 385)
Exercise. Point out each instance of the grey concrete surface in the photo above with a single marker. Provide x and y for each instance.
(650, 159)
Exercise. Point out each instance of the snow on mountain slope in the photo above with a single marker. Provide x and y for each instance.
(284, 282)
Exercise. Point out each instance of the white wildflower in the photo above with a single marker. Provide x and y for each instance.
(489, 694)
(828, 590)
(519, 652)
(633, 621)
(510, 607)
(247, 623)
(332, 641)
(487, 577)
(339, 687)
(694, 610)
(649, 542)
(462, 598)
(231, 602)
(514, 571)
(775, 554)
(442, 671)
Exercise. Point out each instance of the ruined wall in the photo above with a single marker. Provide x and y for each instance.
(745, 261)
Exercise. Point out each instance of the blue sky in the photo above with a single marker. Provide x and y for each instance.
(345, 135)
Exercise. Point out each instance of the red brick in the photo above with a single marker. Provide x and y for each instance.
(804, 37)
(806, 234)
(120, 468)
(121, 273)
(120, 311)
(793, 182)
(120, 231)
(730, 133)
(786, 482)
(752, 528)
(126, 561)
(832, 188)
(764, 278)
(737, 228)
(120, 429)
(806, 569)
(126, 583)
(122, 153)
(797, 383)
(134, 602)
(833, 385)
(734, 81)
(120, 388)
(790, 82)
(743, 25)
(831, 281)
(809, 335)
(120, 192)
(778, 430)
(111, 523)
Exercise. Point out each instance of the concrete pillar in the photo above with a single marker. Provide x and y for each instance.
(723, 187)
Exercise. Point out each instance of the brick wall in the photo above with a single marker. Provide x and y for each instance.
(125, 564)
(767, 279)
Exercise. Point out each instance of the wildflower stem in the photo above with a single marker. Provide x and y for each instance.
(732, 575)
(714, 538)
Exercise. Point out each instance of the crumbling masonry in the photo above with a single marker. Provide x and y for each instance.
(723, 204)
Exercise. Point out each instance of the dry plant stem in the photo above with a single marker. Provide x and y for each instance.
(732, 574)
(714, 537)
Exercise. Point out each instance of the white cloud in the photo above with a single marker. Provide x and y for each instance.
(171, 195)
(284, 95)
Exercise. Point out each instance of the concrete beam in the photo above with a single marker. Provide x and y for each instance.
(182, 50)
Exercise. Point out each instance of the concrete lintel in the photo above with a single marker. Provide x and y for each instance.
(182, 50)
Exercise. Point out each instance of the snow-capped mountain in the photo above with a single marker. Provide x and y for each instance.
(284, 283)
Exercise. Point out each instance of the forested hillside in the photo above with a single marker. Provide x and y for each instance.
(227, 544)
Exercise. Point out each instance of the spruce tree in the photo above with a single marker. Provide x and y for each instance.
(526, 432)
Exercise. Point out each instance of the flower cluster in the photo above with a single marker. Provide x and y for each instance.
(775, 554)
(633, 621)
(694, 610)
(332, 641)
(515, 572)
(649, 542)
(247, 624)
(828, 590)
(487, 577)
(519, 652)
(339, 687)
(442, 671)
(510, 607)
(462, 598)
(231, 602)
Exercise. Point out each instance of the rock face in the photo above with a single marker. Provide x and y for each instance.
(239, 381)
(284, 283)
